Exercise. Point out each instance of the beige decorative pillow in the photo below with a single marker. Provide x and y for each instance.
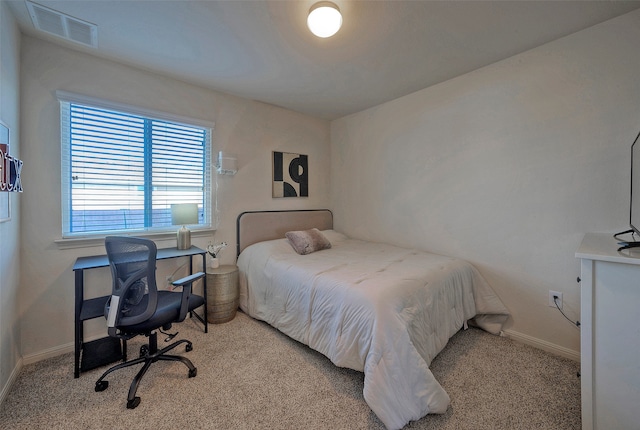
(307, 241)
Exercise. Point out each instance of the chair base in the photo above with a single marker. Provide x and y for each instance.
(148, 355)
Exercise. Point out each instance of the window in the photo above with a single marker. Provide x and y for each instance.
(123, 168)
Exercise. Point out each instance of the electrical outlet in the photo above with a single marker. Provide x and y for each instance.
(557, 301)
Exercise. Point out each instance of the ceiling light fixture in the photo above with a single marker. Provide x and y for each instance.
(324, 19)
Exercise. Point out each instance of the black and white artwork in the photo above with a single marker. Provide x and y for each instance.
(5, 210)
(290, 175)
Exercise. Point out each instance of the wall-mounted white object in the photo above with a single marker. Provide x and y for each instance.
(227, 163)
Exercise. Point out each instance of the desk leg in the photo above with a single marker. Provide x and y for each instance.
(193, 313)
(79, 285)
(204, 290)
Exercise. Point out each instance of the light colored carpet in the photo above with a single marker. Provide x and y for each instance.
(250, 376)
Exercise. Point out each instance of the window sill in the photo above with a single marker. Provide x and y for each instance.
(86, 242)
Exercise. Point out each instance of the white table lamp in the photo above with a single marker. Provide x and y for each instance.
(184, 214)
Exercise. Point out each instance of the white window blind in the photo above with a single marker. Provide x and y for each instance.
(122, 171)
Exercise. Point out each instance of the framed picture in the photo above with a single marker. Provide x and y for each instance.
(5, 201)
(290, 175)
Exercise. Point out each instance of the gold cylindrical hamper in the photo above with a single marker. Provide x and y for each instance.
(222, 294)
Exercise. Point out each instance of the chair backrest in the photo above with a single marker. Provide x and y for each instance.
(134, 295)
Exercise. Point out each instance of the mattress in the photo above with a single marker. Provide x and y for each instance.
(380, 309)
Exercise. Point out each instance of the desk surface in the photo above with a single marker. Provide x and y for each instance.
(93, 261)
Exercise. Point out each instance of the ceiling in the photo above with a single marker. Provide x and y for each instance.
(262, 50)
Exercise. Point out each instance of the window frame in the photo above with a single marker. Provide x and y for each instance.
(209, 200)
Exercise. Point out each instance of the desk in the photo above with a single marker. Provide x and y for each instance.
(94, 308)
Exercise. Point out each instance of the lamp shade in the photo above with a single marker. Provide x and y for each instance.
(184, 214)
(324, 19)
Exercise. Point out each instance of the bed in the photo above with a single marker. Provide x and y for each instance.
(376, 308)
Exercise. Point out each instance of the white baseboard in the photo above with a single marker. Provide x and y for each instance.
(48, 353)
(11, 381)
(39, 356)
(56, 350)
(511, 334)
(543, 345)
(34, 358)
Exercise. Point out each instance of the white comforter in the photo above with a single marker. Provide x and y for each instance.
(375, 308)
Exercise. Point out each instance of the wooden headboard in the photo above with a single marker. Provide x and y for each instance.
(257, 226)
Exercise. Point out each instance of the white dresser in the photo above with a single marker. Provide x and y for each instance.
(610, 335)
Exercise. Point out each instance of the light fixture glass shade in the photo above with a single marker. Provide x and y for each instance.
(324, 19)
(184, 214)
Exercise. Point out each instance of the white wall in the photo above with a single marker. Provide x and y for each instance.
(9, 231)
(507, 166)
(250, 129)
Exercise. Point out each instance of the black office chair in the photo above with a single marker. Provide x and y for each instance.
(137, 307)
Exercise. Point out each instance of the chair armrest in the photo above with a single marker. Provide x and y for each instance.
(188, 279)
(186, 284)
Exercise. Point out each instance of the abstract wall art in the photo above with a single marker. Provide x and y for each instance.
(5, 210)
(290, 175)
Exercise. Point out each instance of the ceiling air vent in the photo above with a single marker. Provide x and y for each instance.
(61, 25)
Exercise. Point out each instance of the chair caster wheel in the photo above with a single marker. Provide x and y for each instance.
(193, 373)
(132, 404)
(189, 347)
(102, 385)
(144, 350)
